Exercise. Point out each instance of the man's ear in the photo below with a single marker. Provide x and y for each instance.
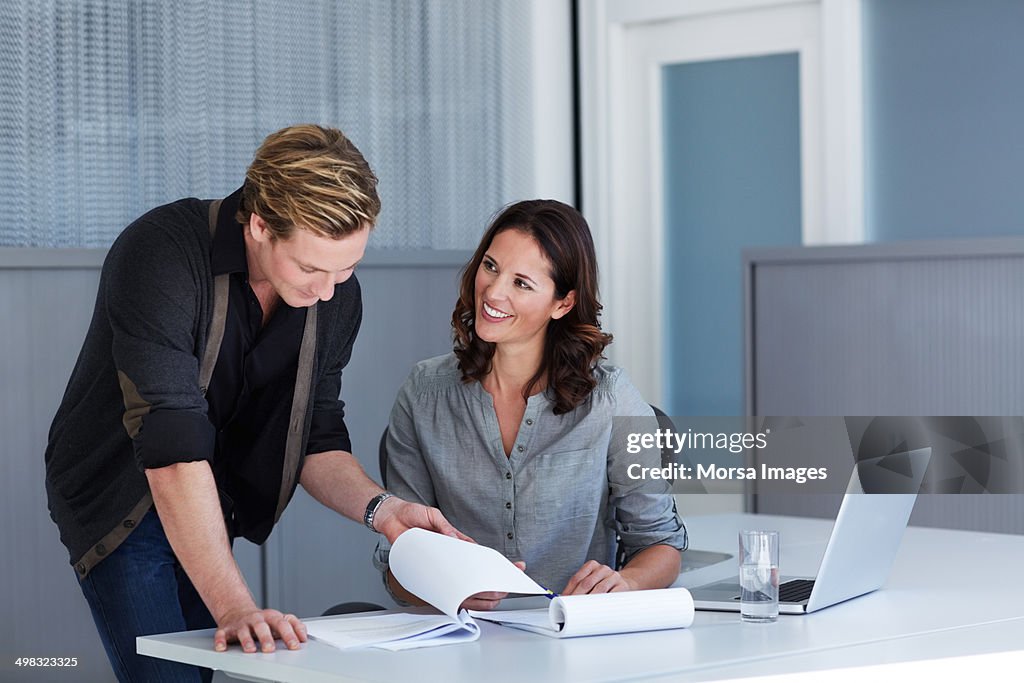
(564, 306)
(259, 230)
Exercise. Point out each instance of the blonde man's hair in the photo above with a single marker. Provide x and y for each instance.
(313, 178)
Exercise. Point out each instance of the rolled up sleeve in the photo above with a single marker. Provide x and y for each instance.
(152, 306)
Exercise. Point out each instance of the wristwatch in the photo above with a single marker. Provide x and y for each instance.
(373, 506)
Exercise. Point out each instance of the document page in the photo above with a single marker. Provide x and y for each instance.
(445, 571)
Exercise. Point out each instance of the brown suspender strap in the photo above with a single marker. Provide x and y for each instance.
(221, 285)
(297, 420)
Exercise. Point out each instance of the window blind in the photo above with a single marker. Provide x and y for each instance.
(109, 108)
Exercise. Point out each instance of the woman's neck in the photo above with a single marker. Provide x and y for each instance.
(512, 369)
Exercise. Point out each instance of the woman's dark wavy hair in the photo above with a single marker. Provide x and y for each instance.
(574, 343)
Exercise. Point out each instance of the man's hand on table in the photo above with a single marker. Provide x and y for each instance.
(251, 625)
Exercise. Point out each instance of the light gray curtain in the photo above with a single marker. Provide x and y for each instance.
(108, 108)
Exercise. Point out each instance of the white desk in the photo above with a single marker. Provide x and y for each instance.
(924, 611)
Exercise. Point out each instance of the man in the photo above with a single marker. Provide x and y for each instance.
(206, 389)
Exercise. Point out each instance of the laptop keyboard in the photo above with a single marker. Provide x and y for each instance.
(797, 590)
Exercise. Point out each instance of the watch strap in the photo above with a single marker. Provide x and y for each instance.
(373, 506)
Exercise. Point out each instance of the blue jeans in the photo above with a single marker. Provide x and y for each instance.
(140, 589)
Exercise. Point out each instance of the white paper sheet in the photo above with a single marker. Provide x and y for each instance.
(445, 571)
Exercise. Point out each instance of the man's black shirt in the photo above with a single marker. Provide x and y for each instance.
(254, 363)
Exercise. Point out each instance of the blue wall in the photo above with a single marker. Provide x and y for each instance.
(944, 118)
(732, 180)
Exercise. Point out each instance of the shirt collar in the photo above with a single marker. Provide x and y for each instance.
(228, 253)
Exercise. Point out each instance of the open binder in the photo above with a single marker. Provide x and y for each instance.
(445, 571)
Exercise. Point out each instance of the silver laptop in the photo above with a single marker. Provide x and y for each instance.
(859, 554)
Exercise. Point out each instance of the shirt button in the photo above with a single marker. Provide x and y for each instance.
(509, 534)
(508, 475)
(508, 506)
(101, 549)
(81, 567)
(128, 524)
(529, 422)
(520, 448)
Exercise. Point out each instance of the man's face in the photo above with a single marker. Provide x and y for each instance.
(304, 268)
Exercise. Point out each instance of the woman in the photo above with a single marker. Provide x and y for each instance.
(512, 435)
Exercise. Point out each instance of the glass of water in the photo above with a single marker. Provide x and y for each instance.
(759, 576)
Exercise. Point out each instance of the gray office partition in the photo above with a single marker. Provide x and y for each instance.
(311, 561)
(923, 328)
(46, 301)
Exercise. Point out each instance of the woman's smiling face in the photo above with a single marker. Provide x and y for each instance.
(515, 295)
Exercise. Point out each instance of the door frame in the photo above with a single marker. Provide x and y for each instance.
(621, 179)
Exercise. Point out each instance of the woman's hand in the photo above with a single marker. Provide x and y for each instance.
(488, 600)
(594, 577)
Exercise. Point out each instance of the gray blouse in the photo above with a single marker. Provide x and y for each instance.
(562, 496)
